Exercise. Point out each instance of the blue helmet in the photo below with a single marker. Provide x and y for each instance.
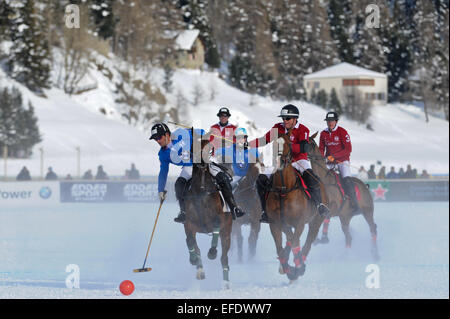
(240, 131)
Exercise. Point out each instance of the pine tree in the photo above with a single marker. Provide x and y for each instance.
(29, 61)
(195, 15)
(339, 17)
(334, 103)
(18, 126)
(104, 18)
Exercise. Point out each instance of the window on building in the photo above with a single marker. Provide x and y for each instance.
(358, 82)
(381, 96)
(316, 85)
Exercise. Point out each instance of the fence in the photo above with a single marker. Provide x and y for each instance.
(57, 192)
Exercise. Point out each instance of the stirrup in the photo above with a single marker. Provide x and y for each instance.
(181, 218)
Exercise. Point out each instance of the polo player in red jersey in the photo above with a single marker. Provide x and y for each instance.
(299, 139)
(336, 146)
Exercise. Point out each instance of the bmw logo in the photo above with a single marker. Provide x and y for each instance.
(45, 192)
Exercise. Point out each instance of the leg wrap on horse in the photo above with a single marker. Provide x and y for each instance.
(262, 186)
(180, 188)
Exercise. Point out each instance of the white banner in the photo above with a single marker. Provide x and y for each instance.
(29, 193)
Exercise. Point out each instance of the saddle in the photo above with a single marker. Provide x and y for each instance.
(300, 184)
(340, 182)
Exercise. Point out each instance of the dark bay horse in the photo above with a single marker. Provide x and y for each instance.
(289, 209)
(338, 203)
(247, 197)
(204, 214)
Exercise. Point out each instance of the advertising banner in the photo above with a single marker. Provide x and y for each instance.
(410, 191)
(29, 193)
(110, 192)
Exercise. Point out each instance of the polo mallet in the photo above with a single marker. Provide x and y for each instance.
(143, 269)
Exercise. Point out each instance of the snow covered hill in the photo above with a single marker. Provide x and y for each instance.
(400, 136)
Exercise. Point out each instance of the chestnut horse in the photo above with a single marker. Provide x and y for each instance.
(338, 203)
(247, 198)
(205, 214)
(289, 209)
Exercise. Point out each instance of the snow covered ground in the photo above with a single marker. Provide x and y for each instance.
(108, 241)
(400, 137)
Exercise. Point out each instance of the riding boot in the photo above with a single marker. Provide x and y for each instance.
(262, 184)
(227, 192)
(349, 187)
(180, 187)
(312, 182)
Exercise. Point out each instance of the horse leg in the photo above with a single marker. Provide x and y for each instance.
(368, 216)
(212, 253)
(194, 254)
(225, 239)
(313, 229)
(283, 253)
(255, 227)
(345, 225)
(299, 262)
(237, 230)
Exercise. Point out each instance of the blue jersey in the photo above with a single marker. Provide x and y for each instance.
(240, 158)
(178, 152)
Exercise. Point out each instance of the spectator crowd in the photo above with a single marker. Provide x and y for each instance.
(410, 173)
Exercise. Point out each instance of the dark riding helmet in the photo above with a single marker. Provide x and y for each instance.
(224, 111)
(289, 111)
(158, 130)
(332, 116)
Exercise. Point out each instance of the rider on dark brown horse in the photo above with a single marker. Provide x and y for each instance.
(299, 139)
(176, 149)
(336, 146)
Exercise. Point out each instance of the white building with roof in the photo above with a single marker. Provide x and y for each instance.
(350, 82)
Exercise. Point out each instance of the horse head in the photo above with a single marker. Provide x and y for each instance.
(284, 153)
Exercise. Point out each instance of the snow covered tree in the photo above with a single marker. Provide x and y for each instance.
(339, 17)
(29, 59)
(104, 18)
(18, 125)
(195, 15)
(334, 103)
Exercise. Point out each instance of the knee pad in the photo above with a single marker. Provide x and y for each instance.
(262, 181)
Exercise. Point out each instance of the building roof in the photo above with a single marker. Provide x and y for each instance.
(185, 39)
(343, 69)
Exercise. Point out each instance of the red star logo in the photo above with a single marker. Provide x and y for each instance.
(380, 192)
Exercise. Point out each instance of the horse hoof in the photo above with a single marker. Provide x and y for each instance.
(281, 270)
(292, 274)
(300, 271)
(226, 285)
(200, 274)
(212, 253)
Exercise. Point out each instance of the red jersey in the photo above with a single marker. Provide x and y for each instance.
(336, 143)
(299, 133)
(227, 132)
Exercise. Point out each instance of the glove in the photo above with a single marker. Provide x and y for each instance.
(330, 159)
(162, 196)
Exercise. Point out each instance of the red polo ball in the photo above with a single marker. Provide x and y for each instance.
(126, 287)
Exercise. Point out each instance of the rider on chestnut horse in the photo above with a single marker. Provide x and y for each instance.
(336, 146)
(299, 138)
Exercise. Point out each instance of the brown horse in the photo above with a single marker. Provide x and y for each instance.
(289, 209)
(204, 214)
(338, 203)
(247, 198)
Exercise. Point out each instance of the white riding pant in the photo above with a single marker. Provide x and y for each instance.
(186, 172)
(302, 165)
(343, 167)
